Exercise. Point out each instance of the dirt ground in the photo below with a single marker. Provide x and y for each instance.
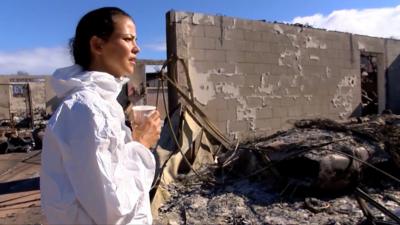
(19, 188)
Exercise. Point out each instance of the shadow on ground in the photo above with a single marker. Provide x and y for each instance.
(30, 184)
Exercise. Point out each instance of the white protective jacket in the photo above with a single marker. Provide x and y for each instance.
(92, 172)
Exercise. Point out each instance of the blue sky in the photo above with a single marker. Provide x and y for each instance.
(35, 33)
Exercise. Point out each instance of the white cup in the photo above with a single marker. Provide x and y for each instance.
(140, 112)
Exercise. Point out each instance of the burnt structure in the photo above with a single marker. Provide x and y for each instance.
(24, 99)
(255, 77)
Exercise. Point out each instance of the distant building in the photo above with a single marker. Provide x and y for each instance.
(23, 96)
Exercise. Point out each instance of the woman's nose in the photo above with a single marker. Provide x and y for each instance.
(135, 48)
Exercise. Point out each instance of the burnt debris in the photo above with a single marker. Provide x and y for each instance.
(318, 172)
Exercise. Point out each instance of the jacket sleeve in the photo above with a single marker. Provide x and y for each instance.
(111, 178)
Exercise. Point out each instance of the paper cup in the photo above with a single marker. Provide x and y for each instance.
(140, 112)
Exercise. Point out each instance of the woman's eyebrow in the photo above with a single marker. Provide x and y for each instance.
(130, 35)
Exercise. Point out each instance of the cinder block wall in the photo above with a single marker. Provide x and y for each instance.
(392, 61)
(40, 94)
(5, 101)
(253, 78)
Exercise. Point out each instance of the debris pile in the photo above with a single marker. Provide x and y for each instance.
(319, 172)
(21, 137)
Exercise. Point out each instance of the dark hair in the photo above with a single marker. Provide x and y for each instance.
(98, 22)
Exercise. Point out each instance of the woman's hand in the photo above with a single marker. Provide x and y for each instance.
(148, 131)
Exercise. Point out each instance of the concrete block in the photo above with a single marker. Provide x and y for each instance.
(203, 43)
(239, 125)
(218, 103)
(262, 46)
(274, 101)
(235, 45)
(295, 111)
(254, 101)
(244, 68)
(262, 26)
(252, 35)
(233, 34)
(311, 72)
(253, 57)
(369, 44)
(287, 123)
(244, 24)
(211, 67)
(293, 98)
(221, 80)
(236, 56)
(274, 123)
(226, 68)
(325, 110)
(263, 124)
(260, 57)
(197, 54)
(200, 66)
(180, 17)
(347, 45)
(212, 113)
(333, 45)
(277, 71)
(276, 48)
(264, 68)
(285, 100)
(279, 112)
(215, 55)
(197, 31)
(252, 80)
(271, 36)
(264, 132)
(246, 91)
(310, 109)
(228, 22)
(267, 101)
(270, 58)
(285, 42)
(232, 104)
(224, 115)
(213, 32)
(264, 112)
(203, 19)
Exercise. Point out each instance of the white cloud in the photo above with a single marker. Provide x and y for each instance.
(159, 46)
(44, 61)
(38, 61)
(379, 22)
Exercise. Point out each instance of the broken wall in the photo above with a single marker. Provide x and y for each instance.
(392, 62)
(17, 100)
(255, 77)
(5, 101)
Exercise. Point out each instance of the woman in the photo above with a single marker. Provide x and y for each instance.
(93, 172)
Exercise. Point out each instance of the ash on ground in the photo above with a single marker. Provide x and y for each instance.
(306, 175)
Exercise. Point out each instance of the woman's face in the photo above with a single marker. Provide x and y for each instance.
(117, 55)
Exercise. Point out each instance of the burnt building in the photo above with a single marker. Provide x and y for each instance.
(255, 77)
(24, 97)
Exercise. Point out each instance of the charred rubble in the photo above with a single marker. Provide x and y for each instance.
(23, 136)
(318, 172)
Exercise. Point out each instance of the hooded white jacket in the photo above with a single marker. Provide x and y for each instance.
(92, 172)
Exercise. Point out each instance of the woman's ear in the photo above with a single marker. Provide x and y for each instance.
(96, 45)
